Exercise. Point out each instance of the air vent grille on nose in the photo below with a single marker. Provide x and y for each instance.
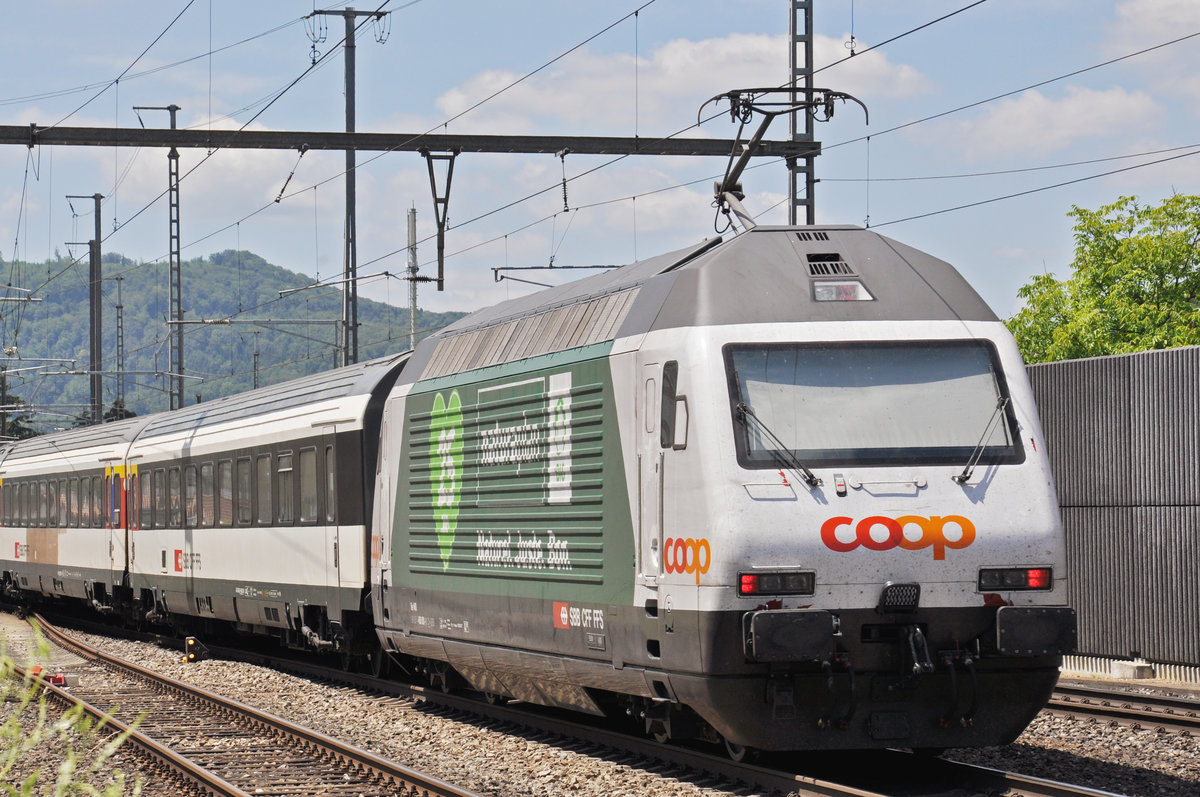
(828, 264)
(899, 598)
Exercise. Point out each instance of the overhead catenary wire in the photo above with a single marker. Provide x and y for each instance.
(577, 209)
(124, 72)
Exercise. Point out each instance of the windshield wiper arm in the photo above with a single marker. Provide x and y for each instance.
(784, 455)
(1001, 403)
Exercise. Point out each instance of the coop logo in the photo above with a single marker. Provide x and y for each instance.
(445, 450)
(878, 533)
(687, 556)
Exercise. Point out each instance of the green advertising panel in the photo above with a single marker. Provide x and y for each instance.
(513, 483)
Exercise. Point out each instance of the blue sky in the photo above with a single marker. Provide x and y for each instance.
(647, 76)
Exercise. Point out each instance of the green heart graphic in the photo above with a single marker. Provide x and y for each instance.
(445, 450)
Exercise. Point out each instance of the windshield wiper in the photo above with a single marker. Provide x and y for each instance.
(1001, 403)
(782, 454)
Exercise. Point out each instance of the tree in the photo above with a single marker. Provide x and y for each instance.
(118, 411)
(1135, 287)
(14, 422)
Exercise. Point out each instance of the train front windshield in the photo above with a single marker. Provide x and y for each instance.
(877, 403)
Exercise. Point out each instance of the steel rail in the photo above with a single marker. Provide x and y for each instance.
(890, 772)
(408, 781)
(908, 773)
(1129, 709)
(161, 755)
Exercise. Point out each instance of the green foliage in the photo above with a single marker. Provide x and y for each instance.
(229, 284)
(28, 728)
(1135, 287)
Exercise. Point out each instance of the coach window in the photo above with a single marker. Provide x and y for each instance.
(146, 495)
(191, 504)
(43, 505)
(85, 502)
(262, 480)
(287, 510)
(97, 501)
(225, 492)
(174, 498)
(131, 499)
(207, 495)
(244, 514)
(105, 502)
(160, 498)
(309, 485)
(330, 487)
(73, 502)
(53, 502)
(62, 503)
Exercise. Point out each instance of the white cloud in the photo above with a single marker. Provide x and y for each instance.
(1147, 23)
(608, 93)
(1157, 19)
(1033, 123)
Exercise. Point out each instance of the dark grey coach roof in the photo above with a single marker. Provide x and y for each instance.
(764, 275)
(361, 378)
(112, 433)
(352, 380)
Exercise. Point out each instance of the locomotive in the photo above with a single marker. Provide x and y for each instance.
(785, 490)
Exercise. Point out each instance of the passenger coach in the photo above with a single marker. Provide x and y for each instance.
(250, 509)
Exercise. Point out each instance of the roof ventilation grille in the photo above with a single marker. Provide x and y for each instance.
(813, 236)
(828, 264)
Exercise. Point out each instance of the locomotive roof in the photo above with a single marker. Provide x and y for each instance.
(764, 275)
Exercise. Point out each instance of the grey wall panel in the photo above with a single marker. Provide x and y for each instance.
(1165, 410)
(1135, 581)
(1123, 435)
(1085, 411)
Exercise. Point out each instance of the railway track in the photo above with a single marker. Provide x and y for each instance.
(871, 774)
(222, 747)
(1164, 715)
(886, 773)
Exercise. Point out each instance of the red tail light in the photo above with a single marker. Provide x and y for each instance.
(1011, 578)
(777, 583)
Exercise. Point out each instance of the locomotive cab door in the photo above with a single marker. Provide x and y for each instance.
(379, 534)
(650, 476)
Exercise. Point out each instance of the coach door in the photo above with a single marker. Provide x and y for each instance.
(651, 463)
(116, 524)
(319, 506)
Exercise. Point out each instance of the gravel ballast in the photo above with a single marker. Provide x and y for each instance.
(488, 761)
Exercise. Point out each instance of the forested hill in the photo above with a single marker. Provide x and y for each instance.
(230, 284)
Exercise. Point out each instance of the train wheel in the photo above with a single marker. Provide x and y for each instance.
(439, 676)
(737, 752)
(495, 699)
(381, 663)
